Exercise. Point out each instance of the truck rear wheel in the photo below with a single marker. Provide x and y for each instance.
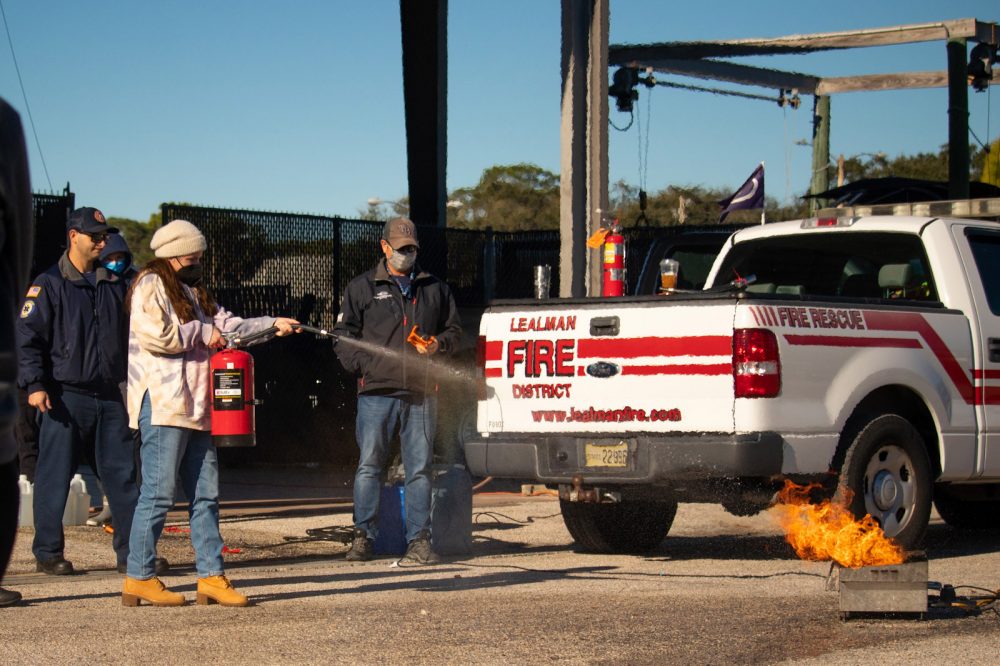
(968, 514)
(629, 526)
(888, 474)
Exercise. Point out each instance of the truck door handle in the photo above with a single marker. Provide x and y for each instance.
(994, 348)
(604, 326)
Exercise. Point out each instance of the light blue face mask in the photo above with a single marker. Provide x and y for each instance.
(117, 267)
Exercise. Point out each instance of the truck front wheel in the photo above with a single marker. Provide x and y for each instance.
(630, 526)
(887, 472)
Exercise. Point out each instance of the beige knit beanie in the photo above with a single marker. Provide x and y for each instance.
(178, 238)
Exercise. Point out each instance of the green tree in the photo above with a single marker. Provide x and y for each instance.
(515, 197)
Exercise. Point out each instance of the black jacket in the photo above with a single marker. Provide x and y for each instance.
(15, 261)
(71, 334)
(374, 310)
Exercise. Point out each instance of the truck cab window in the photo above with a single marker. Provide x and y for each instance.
(986, 251)
(857, 266)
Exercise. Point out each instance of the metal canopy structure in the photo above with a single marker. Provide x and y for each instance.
(701, 60)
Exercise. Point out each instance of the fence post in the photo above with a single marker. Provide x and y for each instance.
(489, 265)
(337, 264)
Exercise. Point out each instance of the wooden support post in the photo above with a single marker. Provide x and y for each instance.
(958, 119)
(820, 181)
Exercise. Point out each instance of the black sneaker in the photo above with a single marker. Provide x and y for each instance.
(419, 550)
(9, 597)
(361, 547)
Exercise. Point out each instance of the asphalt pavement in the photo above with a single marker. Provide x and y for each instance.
(720, 589)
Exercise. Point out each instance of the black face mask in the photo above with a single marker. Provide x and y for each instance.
(190, 275)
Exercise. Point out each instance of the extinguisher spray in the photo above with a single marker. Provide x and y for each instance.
(613, 283)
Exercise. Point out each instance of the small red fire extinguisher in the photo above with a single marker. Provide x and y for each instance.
(232, 398)
(613, 283)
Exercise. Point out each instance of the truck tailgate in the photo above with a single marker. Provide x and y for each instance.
(615, 367)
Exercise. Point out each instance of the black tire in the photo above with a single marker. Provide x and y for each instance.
(621, 527)
(968, 514)
(888, 473)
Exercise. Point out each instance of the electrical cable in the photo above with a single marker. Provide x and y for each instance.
(27, 107)
(631, 119)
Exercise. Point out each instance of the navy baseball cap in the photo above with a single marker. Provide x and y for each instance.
(89, 221)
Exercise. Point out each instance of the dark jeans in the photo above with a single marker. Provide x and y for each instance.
(10, 497)
(75, 421)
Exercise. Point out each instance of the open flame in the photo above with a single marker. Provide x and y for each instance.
(829, 531)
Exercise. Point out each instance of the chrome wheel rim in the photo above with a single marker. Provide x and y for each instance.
(890, 488)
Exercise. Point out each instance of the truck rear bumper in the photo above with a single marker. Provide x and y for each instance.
(557, 459)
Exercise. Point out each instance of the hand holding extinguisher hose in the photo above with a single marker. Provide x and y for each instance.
(235, 340)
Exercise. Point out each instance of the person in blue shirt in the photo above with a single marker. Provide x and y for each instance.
(71, 343)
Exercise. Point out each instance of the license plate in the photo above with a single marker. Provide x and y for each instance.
(606, 455)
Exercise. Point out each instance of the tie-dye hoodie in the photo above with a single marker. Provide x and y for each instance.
(170, 359)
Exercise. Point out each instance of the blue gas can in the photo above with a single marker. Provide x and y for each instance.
(391, 536)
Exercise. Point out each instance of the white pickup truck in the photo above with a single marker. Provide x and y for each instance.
(864, 353)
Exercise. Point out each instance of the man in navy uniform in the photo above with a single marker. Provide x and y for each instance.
(71, 338)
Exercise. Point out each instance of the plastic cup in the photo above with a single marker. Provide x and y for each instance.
(543, 280)
(668, 274)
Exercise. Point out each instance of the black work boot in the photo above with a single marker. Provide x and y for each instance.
(361, 547)
(9, 597)
(419, 550)
(160, 566)
(56, 566)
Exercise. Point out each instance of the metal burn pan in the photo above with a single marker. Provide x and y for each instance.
(887, 589)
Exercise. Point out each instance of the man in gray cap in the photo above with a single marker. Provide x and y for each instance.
(71, 340)
(383, 307)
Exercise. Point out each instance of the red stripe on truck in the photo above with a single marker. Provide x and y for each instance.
(698, 345)
(849, 341)
(688, 369)
(906, 321)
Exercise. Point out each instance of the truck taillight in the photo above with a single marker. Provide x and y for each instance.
(481, 367)
(756, 366)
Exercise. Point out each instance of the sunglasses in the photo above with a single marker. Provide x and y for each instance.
(96, 238)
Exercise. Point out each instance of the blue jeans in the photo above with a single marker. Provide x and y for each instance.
(169, 451)
(378, 416)
(76, 420)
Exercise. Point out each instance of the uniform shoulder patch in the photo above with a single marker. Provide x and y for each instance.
(27, 309)
(33, 291)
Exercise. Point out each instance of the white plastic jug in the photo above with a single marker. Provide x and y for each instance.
(26, 514)
(77, 502)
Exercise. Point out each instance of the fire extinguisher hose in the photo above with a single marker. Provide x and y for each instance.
(238, 341)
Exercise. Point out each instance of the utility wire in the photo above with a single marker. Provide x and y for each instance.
(27, 107)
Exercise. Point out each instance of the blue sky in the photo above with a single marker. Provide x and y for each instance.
(297, 106)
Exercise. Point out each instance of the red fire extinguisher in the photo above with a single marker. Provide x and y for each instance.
(613, 283)
(232, 398)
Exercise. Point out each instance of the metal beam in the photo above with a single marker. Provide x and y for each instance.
(900, 81)
(958, 119)
(968, 28)
(732, 73)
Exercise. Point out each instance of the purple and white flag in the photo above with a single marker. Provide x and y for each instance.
(749, 196)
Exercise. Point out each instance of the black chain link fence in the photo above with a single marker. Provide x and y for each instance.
(265, 263)
(51, 212)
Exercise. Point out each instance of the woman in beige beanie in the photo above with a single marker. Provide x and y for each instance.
(175, 325)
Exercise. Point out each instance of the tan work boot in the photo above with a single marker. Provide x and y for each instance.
(152, 591)
(219, 590)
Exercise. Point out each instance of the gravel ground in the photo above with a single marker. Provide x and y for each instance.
(719, 589)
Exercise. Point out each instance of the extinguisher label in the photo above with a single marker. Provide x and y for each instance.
(612, 252)
(227, 389)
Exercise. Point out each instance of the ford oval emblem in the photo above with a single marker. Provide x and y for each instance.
(603, 369)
